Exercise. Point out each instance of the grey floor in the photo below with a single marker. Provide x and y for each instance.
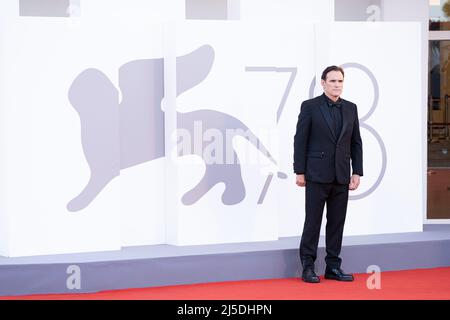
(431, 232)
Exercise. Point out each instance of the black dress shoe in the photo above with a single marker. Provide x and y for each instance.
(310, 276)
(338, 274)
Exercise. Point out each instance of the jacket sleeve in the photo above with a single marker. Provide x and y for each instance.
(301, 139)
(356, 148)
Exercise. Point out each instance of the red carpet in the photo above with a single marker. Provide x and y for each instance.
(421, 284)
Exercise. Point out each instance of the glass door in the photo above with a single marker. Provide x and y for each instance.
(438, 174)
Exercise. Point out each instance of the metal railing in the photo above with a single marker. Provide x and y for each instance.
(445, 125)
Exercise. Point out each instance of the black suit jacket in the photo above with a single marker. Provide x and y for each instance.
(318, 153)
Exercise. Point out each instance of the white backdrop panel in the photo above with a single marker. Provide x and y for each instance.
(373, 54)
(387, 55)
(250, 75)
(44, 164)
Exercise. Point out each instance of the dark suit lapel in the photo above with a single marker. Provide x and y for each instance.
(326, 114)
(346, 114)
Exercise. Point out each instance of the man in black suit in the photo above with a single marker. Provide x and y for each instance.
(327, 138)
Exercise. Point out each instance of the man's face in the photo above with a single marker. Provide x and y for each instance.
(333, 84)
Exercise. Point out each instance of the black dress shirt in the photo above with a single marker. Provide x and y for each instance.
(335, 109)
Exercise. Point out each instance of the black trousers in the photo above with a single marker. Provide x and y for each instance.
(336, 198)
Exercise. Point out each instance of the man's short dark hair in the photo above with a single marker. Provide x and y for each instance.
(329, 69)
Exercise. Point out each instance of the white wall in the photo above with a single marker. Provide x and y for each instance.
(206, 9)
(293, 10)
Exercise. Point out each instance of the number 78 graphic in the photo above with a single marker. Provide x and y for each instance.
(293, 72)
